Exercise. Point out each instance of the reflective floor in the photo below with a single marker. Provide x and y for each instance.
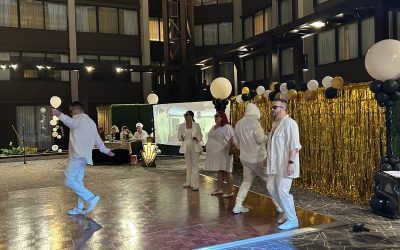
(140, 209)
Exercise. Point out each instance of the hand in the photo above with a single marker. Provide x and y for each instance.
(195, 139)
(56, 112)
(290, 169)
(183, 137)
(111, 153)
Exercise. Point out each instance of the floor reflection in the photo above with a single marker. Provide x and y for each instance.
(86, 227)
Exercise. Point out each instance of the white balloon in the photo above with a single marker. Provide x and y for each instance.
(60, 151)
(53, 123)
(260, 90)
(266, 93)
(382, 60)
(42, 110)
(221, 88)
(55, 101)
(41, 121)
(283, 88)
(54, 147)
(54, 134)
(58, 136)
(327, 82)
(285, 96)
(55, 118)
(312, 85)
(239, 99)
(152, 98)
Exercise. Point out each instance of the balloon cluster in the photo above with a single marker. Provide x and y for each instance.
(220, 104)
(390, 164)
(387, 93)
(55, 102)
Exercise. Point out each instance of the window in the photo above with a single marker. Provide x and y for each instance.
(348, 41)
(225, 33)
(198, 35)
(209, 74)
(135, 76)
(268, 19)
(210, 34)
(209, 2)
(31, 14)
(88, 59)
(56, 16)
(59, 75)
(108, 20)
(226, 70)
(86, 19)
(155, 29)
(197, 2)
(285, 11)
(248, 27)
(326, 47)
(31, 74)
(258, 23)
(287, 62)
(249, 70)
(367, 34)
(8, 13)
(259, 67)
(4, 73)
(109, 59)
(128, 22)
(33, 57)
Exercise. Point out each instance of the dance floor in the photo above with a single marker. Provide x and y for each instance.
(142, 209)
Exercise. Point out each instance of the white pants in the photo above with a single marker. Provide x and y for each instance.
(250, 172)
(192, 168)
(74, 175)
(279, 188)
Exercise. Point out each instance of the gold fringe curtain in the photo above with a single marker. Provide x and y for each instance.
(341, 138)
(104, 117)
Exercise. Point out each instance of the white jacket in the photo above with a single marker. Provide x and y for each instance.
(249, 136)
(196, 132)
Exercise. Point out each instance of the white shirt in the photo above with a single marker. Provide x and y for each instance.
(140, 137)
(83, 136)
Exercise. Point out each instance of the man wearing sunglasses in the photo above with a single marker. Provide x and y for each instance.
(283, 163)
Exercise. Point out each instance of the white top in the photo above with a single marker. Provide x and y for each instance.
(195, 132)
(140, 137)
(83, 136)
(217, 147)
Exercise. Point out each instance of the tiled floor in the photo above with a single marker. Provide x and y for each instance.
(140, 209)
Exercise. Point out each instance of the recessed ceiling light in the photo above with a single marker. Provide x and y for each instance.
(340, 15)
(294, 31)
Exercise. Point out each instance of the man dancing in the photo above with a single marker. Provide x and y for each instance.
(83, 136)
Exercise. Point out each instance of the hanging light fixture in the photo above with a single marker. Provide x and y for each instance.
(149, 154)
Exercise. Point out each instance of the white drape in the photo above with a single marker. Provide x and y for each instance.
(209, 75)
(56, 16)
(286, 11)
(326, 47)
(8, 13)
(268, 19)
(86, 19)
(248, 27)
(108, 20)
(348, 41)
(154, 29)
(210, 34)
(367, 34)
(225, 33)
(4, 73)
(258, 23)
(128, 22)
(287, 61)
(64, 73)
(31, 14)
(135, 76)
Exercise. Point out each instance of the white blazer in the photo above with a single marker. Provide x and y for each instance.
(196, 132)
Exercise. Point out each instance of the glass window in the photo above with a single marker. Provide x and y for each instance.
(154, 29)
(225, 33)
(259, 66)
(326, 47)
(197, 2)
(135, 76)
(8, 13)
(367, 34)
(33, 57)
(56, 16)
(287, 61)
(88, 59)
(198, 35)
(249, 70)
(161, 31)
(128, 22)
(209, 74)
(31, 74)
(348, 41)
(109, 59)
(248, 27)
(210, 34)
(59, 75)
(285, 11)
(108, 20)
(4, 73)
(226, 70)
(31, 14)
(268, 19)
(258, 23)
(209, 2)
(86, 19)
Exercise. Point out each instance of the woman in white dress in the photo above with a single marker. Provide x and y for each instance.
(218, 155)
(189, 133)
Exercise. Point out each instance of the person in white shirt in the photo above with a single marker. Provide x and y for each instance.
(139, 138)
(283, 163)
(83, 137)
(251, 140)
(189, 133)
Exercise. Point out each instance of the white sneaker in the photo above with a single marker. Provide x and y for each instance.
(240, 209)
(289, 224)
(92, 203)
(76, 211)
(281, 218)
(186, 185)
(228, 195)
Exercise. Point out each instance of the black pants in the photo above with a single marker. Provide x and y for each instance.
(137, 146)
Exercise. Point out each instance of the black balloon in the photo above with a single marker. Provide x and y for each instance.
(303, 86)
(271, 96)
(278, 87)
(385, 160)
(389, 86)
(382, 104)
(393, 161)
(395, 96)
(253, 94)
(392, 206)
(386, 167)
(331, 93)
(381, 97)
(245, 97)
(214, 101)
(377, 179)
(396, 167)
(225, 102)
(291, 85)
(375, 86)
(390, 103)
(377, 203)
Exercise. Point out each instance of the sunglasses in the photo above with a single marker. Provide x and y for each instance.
(276, 107)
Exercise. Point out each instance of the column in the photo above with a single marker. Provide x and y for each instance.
(73, 55)
(237, 21)
(145, 46)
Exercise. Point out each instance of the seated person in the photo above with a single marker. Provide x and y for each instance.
(125, 134)
(100, 130)
(139, 138)
(115, 136)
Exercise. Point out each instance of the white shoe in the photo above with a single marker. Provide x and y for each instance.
(281, 218)
(92, 203)
(186, 185)
(240, 209)
(76, 211)
(228, 195)
(289, 224)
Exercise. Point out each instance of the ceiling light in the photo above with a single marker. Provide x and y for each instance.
(39, 67)
(317, 24)
(14, 66)
(119, 70)
(89, 68)
(3, 66)
(48, 67)
(340, 15)
(294, 31)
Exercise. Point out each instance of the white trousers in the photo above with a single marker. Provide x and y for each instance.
(250, 172)
(74, 175)
(192, 168)
(279, 188)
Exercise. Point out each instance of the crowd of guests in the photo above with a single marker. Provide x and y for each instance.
(273, 156)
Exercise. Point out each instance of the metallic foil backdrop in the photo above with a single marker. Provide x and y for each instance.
(343, 140)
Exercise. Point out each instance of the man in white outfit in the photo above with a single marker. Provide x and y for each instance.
(83, 136)
(250, 139)
(283, 163)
